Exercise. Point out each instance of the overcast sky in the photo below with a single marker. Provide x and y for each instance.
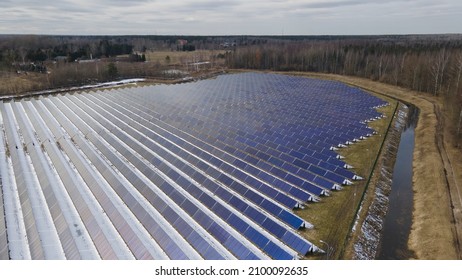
(230, 17)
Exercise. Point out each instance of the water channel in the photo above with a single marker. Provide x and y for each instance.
(398, 220)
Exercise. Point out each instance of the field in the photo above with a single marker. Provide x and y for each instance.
(12, 83)
(183, 58)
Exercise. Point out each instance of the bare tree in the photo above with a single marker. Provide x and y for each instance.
(458, 70)
(458, 127)
(22, 53)
(438, 68)
(396, 67)
(366, 67)
(382, 66)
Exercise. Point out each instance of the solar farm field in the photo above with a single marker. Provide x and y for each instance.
(214, 169)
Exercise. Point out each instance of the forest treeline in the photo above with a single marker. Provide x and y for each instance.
(435, 67)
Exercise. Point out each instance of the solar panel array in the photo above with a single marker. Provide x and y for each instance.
(204, 170)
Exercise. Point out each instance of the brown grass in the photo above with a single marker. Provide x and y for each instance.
(179, 58)
(12, 83)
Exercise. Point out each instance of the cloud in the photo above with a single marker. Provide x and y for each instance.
(204, 17)
(208, 5)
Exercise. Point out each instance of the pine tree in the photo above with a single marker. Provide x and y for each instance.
(112, 70)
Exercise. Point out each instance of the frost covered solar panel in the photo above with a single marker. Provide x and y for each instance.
(205, 170)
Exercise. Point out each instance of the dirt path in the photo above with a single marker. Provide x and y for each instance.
(452, 183)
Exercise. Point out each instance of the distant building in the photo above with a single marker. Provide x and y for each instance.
(86, 60)
(61, 58)
(183, 45)
(182, 42)
(226, 45)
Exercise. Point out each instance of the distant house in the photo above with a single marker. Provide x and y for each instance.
(61, 58)
(183, 45)
(226, 45)
(182, 42)
(79, 60)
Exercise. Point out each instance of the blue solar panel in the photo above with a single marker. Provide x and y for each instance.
(237, 223)
(334, 177)
(256, 237)
(238, 204)
(177, 197)
(312, 188)
(255, 215)
(225, 179)
(294, 180)
(189, 207)
(170, 214)
(270, 207)
(198, 177)
(255, 197)
(285, 200)
(317, 170)
(283, 186)
(218, 232)
(301, 164)
(304, 196)
(239, 188)
(207, 251)
(274, 228)
(292, 219)
(277, 253)
(176, 253)
(300, 245)
(323, 182)
(207, 200)
(276, 161)
(221, 211)
(268, 190)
